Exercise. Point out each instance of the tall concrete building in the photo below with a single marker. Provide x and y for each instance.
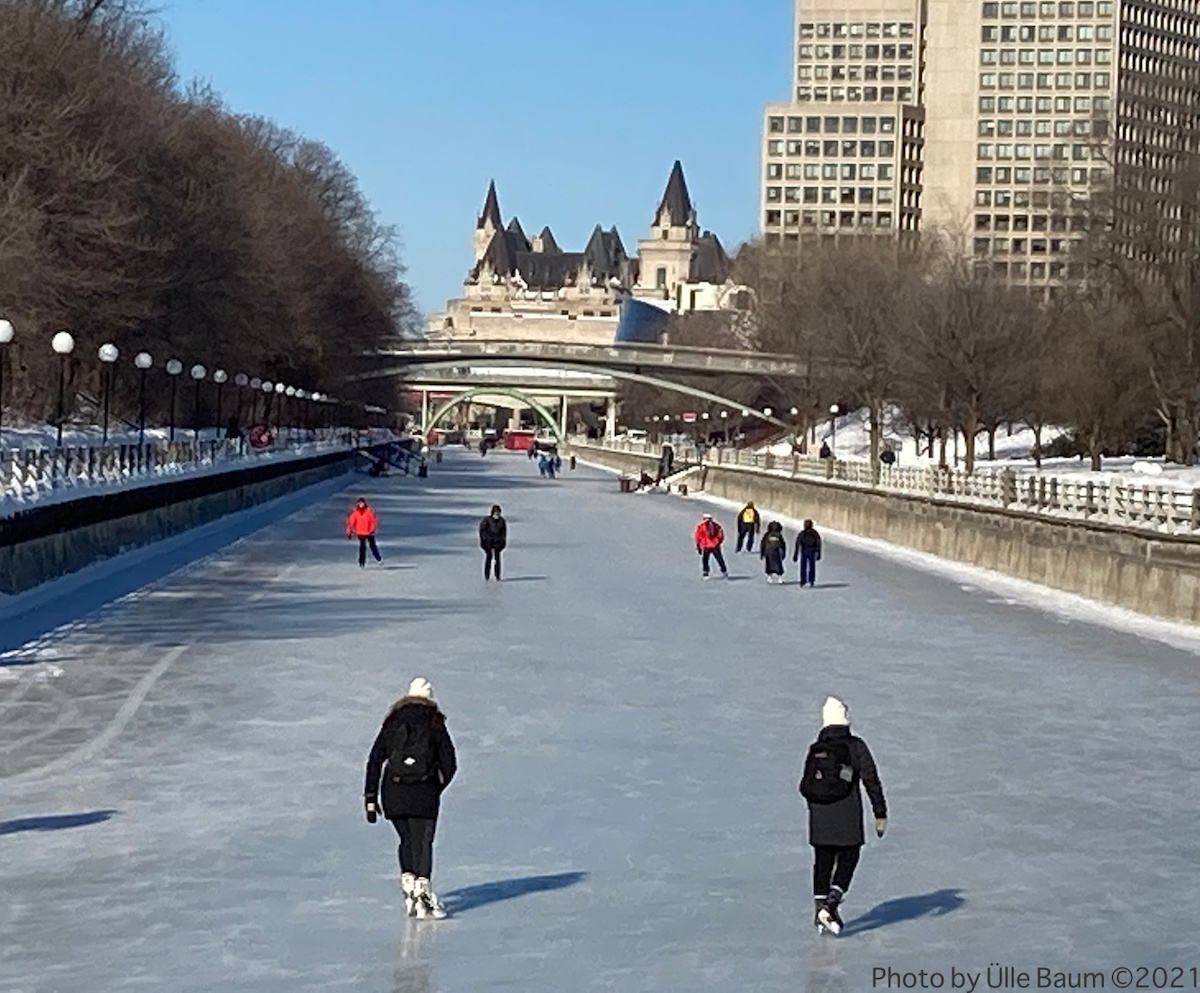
(844, 155)
(1009, 117)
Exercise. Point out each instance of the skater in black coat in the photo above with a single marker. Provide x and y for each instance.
(412, 799)
(835, 829)
(773, 551)
(808, 553)
(493, 539)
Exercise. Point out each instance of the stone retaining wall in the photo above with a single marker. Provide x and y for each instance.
(44, 543)
(1159, 576)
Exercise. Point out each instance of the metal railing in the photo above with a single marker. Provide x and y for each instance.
(680, 357)
(30, 476)
(1112, 501)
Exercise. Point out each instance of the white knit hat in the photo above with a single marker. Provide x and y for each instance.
(834, 713)
(421, 687)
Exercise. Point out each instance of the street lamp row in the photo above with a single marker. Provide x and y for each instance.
(63, 345)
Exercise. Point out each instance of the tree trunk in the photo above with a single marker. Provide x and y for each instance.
(1037, 445)
(1095, 450)
(876, 425)
(1188, 436)
(970, 429)
(992, 442)
(941, 432)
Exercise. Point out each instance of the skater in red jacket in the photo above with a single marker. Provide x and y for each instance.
(709, 537)
(361, 524)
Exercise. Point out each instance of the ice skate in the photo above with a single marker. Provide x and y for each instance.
(408, 883)
(827, 913)
(428, 905)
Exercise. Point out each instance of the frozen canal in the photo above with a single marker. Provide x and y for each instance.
(180, 773)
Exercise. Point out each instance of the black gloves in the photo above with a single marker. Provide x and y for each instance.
(372, 809)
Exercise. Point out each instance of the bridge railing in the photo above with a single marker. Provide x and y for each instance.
(1112, 501)
(30, 476)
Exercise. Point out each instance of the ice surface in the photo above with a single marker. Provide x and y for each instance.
(180, 772)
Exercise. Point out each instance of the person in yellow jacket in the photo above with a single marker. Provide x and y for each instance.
(748, 525)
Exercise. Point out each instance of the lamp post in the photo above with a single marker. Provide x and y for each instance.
(220, 377)
(241, 381)
(6, 335)
(108, 355)
(268, 389)
(290, 392)
(833, 412)
(197, 372)
(174, 368)
(63, 345)
(143, 361)
(725, 425)
(279, 388)
(255, 386)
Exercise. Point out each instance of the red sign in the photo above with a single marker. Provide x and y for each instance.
(689, 417)
(259, 436)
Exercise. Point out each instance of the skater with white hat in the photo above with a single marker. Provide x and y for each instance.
(414, 757)
(837, 764)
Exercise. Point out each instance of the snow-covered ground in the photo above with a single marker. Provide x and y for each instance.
(852, 440)
(180, 772)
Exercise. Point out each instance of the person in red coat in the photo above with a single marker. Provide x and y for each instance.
(709, 538)
(361, 524)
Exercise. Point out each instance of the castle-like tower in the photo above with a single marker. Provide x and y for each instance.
(521, 288)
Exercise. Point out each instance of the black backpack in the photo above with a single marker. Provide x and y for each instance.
(412, 757)
(828, 772)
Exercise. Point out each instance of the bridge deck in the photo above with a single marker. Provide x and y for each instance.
(707, 361)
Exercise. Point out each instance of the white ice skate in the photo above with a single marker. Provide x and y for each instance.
(408, 883)
(428, 905)
(828, 918)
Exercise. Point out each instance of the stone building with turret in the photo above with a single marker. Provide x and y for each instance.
(528, 289)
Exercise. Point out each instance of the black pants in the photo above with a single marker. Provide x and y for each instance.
(833, 867)
(363, 542)
(808, 567)
(490, 556)
(714, 553)
(416, 844)
(746, 534)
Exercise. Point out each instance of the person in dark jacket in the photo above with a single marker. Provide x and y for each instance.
(773, 551)
(493, 538)
(808, 553)
(749, 523)
(835, 830)
(412, 804)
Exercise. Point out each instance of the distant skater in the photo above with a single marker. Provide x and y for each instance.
(414, 758)
(748, 525)
(836, 764)
(808, 553)
(362, 524)
(773, 551)
(493, 539)
(709, 536)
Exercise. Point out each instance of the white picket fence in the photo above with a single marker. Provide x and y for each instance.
(1114, 501)
(32, 476)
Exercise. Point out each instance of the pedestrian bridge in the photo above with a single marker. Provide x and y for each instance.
(410, 358)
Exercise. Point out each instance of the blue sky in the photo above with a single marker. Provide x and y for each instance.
(577, 109)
